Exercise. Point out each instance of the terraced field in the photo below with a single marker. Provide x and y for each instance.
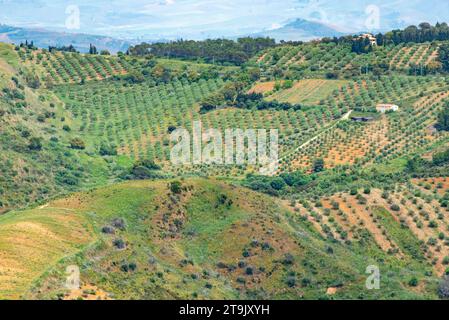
(137, 118)
(65, 67)
(410, 220)
(355, 187)
(390, 137)
(309, 92)
(319, 58)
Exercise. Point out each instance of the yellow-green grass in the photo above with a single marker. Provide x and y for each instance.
(8, 54)
(33, 241)
(310, 91)
(8, 64)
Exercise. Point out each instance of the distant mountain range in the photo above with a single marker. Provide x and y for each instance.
(43, 38)
(295, 30)
(301, 30)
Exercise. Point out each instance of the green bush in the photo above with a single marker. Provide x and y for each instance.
(77, 144)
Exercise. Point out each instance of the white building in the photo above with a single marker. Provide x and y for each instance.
(385, 107)
(372, 39)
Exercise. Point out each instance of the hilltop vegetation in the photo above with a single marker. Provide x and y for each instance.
(220, 51)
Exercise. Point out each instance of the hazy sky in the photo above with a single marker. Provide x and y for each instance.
(201, 18)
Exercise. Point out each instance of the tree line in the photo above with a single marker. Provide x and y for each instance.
(221, 51)
(424, 32)
(233, 95)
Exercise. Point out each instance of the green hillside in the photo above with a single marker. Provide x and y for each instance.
(86, 177)
(207, 240)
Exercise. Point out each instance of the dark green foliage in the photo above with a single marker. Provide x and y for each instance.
(395, 207)
(241, 100)
(107, 230)
(77, 143)
(361, 45)
(176, 187)
(108, 150)
(150, 164)
(318, 165)
(92, 49)
(423, 33)
(212, 51)
(67, 178)
(443, 56)
(119, 223)
(224, 200)
(35, 144)
(296, 179)
(443, 118)
(144, 169)
(291, 282)
(443, 288)
(276, 185)
(128, 267)
(69, 48)
(413, 282)
(119, 244)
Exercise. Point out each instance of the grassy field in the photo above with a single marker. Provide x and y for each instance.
(33, 241)
(308, 92)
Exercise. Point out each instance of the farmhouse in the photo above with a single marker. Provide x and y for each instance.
(383, 108)
(372, 39)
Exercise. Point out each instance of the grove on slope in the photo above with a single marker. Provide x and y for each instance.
(199, 239)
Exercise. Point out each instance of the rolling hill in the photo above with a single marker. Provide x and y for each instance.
(43, 39)
(301, 30)
(206, 240)
(86, 178)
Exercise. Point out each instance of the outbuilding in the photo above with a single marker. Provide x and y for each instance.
(386, 107)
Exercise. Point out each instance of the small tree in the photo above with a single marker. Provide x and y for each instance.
(108, 150)
(92, 49)
(443, 289)
(443, 118)
(176, 187)
(35, 144)
(77, 144)
(318, 165)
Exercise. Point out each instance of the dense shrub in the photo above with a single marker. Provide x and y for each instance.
(108, 150)
(77, 143)
(176, 187)
(443, 288)
(35, 144)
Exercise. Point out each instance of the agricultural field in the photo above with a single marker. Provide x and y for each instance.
(68, 67)
(313, 59)
(308, 92)
(87, 177)
(137, 118)
(386, 138)
(408, 220)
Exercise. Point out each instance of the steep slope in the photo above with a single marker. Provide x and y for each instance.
(36, 160)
